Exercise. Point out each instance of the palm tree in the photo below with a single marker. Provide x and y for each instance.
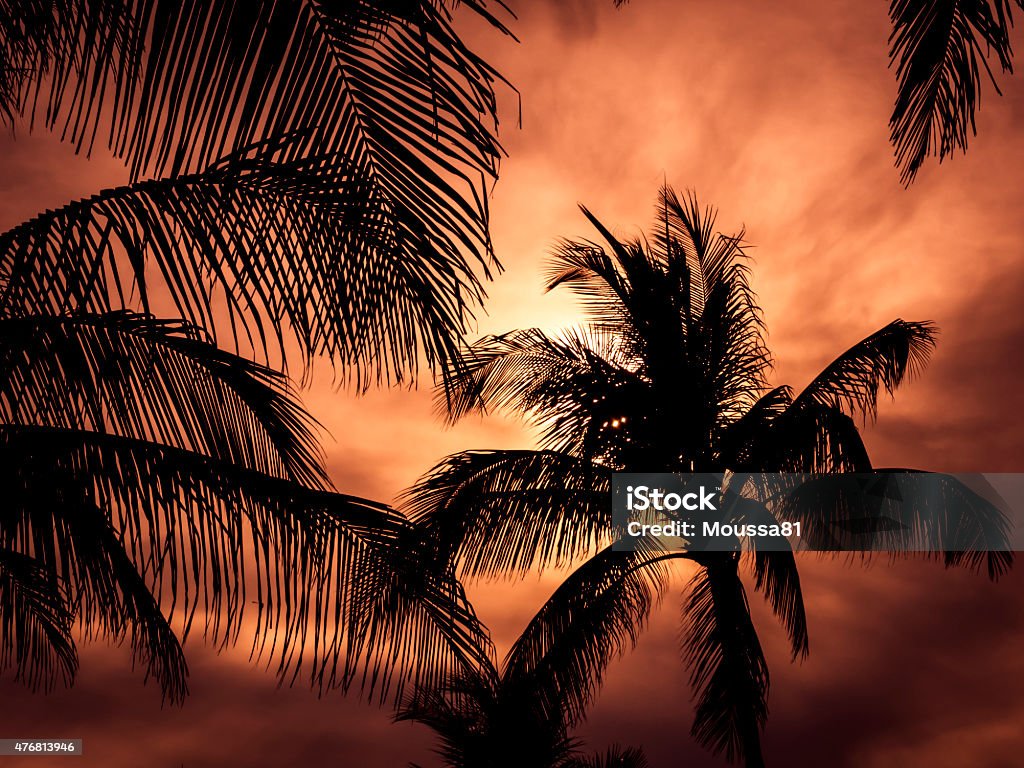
(303, 173)
(670, 375)
(487, 719)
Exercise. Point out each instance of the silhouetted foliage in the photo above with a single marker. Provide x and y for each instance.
(485, 719)
(939, 48)
(669, 375)
(149, 476)
(320, 173)
(326, 166)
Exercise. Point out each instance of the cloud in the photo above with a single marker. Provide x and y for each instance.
(776, 113)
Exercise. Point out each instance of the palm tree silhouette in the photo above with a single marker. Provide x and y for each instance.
(302, 174)
(670, 375)
(484, 719)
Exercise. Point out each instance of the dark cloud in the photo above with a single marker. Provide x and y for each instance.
(910, 665)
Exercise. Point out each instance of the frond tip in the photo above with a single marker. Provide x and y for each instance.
(35, 623)
(728, 670)
(940, 48)
(883, 360)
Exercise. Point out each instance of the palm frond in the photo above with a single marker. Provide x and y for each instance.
(411, 627)
(261, 247)
(154, 380)
(614, 757)
(900, 511)
(506, 371)
(728, 670)
(777, 576)
(173, 86)
(601, 279)
(736, 442)
(35, 623)
(811, 438)
(685, 235)
(571, 387)
(940, 48)
(684, 318)
(508, 513)
(596, 614)
(202, 535)
(886, 359)
(455, 712)
(773, 565)
(120, 603)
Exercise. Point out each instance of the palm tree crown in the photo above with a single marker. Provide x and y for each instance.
(669, 375)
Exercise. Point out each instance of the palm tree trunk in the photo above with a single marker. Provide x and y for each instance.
(742, 658)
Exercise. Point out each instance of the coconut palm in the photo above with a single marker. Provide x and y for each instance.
(670, 375)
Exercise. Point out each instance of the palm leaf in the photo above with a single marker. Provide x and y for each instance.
(899, 515)
(596, 614)
(774, 568)
(811, 438)
(777, 576)
(35, 623)
(411, 627)
(940, 48)
(154, 380)
(118, 603)
(601, 279)
(737, 442)
(508, 513)
(260, 247)
(886, 359)
(728, 670)
(571, 386)
(184, 81)
(198, 533)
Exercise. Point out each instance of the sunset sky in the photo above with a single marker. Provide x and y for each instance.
(778, 115)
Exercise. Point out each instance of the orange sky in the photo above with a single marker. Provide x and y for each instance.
(777, 114)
